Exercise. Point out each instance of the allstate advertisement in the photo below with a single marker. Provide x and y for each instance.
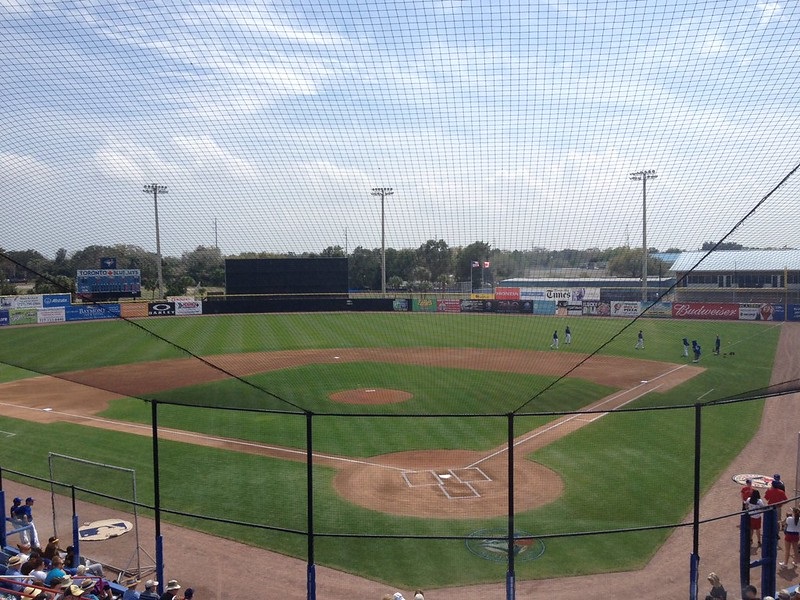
(92, 312)
(53, 300)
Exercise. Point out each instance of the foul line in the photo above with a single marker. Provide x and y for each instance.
(569, 418)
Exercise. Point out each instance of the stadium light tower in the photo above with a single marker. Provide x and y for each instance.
(643, 176)
(154, 190)
(383, 192)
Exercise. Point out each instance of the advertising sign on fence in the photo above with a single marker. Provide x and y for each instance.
(793, 313)
(91, 312)
(51, 315)
(625, 309)
(595, 308)
(400, 304)
(188, 307)
(4, 318)
(423, 305)
(511, 293)
(513, 306)
(451, 306)
(22, 316)
(53, 300)
(705, 310)
(758, 311)
(476, 305)
(544, 307)
(160, 309)
(30, 301)
(660, 310)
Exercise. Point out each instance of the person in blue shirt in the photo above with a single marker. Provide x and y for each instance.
(717, 344)
(696, 352)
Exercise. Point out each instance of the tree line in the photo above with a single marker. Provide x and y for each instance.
(434, 265)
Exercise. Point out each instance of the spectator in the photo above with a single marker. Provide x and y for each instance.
(791, 535)
(418, 595)
(130, 589)
(747, 489)
(56, 571)
(88, 586)
(149, 592)
(778, 482)
(51, 550)
(12, 571)
(783, 595)
(755, 508)
(81, 566)
(73, 591)
(775, 495)
(37, 573)
(188, 594)
(172, 588)
(717, 589)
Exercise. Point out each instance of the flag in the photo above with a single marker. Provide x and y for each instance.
(486, 264)
(475, 264)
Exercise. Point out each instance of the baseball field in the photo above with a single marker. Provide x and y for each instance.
(408, 417)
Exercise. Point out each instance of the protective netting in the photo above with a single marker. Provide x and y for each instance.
(449, 150)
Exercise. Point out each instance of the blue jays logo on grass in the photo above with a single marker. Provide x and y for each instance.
(97, 531)
(759, 481)
(492, 544)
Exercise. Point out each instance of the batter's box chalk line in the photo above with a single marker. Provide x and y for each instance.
(455, 483)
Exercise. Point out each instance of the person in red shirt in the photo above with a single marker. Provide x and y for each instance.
(747, 489)
(775, 495)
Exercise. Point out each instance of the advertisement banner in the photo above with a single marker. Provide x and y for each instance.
(481, 296)
(532, 293)
(160, 309)
(794, 312)
(401, 304)
(578, 295)
(659, 310)
(132, 310)
(557, 294)
(705, 310)
(514, 306)
(758, 311)
(511, 293)
(595, 308)
(51, 315)
(188, 307)
(423, 305)
(91, 312)
(625, 309)
(30, 301)
(53, 300)
(22, 316)
(4, 318)
(449, 306)
(544, 307)
(476, 306)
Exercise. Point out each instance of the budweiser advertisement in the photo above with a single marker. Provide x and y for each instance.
(705, 310)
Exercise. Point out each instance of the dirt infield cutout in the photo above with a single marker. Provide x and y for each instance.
(413, 483)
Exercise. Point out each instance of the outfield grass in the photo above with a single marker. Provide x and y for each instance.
(638, 463)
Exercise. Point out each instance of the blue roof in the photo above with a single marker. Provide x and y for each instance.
(739, 260)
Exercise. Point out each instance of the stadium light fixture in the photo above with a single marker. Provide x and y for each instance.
(643, 176)
(383, 192)
(153, 189)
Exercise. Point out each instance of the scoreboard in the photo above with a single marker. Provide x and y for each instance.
(104, 284)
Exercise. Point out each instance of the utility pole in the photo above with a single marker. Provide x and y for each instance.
(154, 189)
(216, 241)
(383, 192)
(643, 176)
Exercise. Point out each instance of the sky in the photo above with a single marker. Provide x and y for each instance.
(516, 124)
